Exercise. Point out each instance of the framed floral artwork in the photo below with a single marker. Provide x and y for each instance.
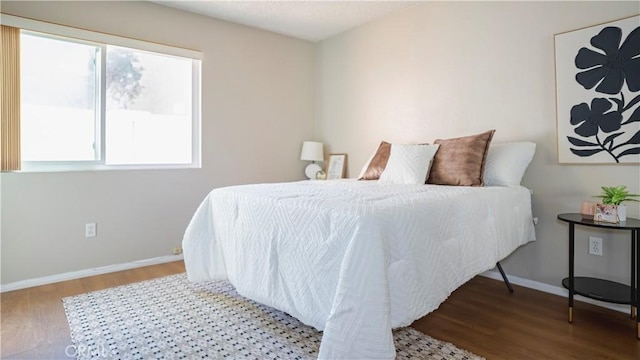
(598, 93)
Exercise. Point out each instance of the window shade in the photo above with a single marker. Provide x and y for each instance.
(10, 94)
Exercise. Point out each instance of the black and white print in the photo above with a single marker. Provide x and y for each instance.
(598, 93)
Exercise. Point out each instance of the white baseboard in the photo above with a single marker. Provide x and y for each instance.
(86, 273)
(555, 290)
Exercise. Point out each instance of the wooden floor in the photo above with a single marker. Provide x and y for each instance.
(481, 317)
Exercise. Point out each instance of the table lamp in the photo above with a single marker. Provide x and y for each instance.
(312, 151)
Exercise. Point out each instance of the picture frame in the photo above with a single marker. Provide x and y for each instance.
(336, 166)
(598, 103)
(606, 213)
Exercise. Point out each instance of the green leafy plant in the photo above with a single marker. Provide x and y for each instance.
(614, 195)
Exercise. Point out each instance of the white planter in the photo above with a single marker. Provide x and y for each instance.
(622, 212)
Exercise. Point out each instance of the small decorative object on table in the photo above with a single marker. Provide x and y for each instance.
(614, 195)
(312, 151)
(336, 166)
(321, 175)
(606, 213)
(587, 209)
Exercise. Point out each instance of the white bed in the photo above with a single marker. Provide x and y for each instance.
(354, 258)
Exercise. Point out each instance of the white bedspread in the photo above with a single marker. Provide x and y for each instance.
(354, 258)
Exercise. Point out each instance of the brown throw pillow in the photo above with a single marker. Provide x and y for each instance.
(460, 161)
(378, 162)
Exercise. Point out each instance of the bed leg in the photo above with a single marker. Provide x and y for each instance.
(504, 277)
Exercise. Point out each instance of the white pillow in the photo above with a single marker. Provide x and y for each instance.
(408, 164)
(507, 162)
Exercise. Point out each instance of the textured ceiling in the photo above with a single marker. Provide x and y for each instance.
(308, 20)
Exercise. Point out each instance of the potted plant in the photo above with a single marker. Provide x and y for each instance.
(614, 195)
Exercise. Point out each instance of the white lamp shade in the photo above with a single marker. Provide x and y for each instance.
(312, 151)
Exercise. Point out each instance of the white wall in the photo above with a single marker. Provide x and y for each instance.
(433, 71)
(448, 69)
(257, 108)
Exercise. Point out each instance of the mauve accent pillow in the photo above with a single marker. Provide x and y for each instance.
(366, 164)
(460, 161)
(378, 162)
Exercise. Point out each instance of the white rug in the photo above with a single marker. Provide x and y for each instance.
(171, 318)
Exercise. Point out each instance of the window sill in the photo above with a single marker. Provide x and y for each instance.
(49, 168)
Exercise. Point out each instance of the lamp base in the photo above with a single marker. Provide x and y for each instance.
(311, 171)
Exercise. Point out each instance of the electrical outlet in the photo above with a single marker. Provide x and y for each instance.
(90, 230)
(595, 246)
(177, 250)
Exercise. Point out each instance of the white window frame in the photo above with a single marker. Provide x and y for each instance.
(102, 39)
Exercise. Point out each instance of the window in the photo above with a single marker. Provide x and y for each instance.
(59, 100)
(87, 103)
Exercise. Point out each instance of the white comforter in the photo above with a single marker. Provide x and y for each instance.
(354, 258)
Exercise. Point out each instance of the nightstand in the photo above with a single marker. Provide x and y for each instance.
(600, 289)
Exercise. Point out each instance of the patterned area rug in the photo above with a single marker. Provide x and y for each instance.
(172, 318)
